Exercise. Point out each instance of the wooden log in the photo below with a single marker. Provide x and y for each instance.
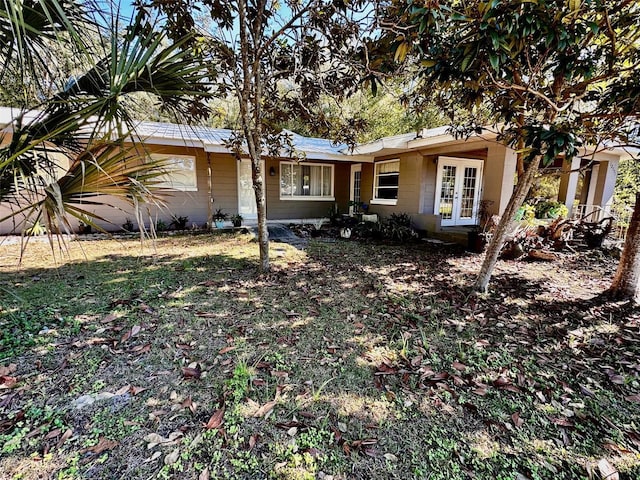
(542, 255)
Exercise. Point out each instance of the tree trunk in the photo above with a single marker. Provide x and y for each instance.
(502, 230)
(626, 282)
(261, 205)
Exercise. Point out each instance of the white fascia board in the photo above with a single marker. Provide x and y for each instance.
(170, 142)
(623, 153)
(214, 148)
(396, 143)
(332, 157)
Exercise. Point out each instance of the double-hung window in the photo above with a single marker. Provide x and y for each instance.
(306, 181)
(180, 172)
(386, 181)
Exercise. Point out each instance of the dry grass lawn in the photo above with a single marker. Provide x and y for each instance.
(177, 359)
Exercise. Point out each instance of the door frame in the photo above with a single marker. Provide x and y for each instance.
(460, 164)
(356, 167)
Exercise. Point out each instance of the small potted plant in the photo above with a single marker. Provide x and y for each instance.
(219, 218)
(237, 220)
(127, 225)
(84, 225)
(317, 227)
(179, 222)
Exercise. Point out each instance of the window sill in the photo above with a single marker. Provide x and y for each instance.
(382, 201)
(306, 199)
(179, 189)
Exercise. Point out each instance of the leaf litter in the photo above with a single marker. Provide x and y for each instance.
(412, 355)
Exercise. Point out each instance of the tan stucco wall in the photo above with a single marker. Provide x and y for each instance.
(287, 209)
(191, 204)
(194, 204)
(417, 181)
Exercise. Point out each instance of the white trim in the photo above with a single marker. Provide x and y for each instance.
(384, 201)
(460, 164)
(304, 199)
(168, 183)
(330, 197)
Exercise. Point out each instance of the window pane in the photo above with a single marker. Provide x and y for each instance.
(326, 181)
(305, 180)
(388, 193)
(180, 172)
(447, 191)
(286, 180)
(388, 167)
(387, 179)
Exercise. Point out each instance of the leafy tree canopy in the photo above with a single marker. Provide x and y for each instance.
(555, 73)
(61, 154)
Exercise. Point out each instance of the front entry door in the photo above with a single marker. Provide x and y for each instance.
(458, 187)
(246, 193)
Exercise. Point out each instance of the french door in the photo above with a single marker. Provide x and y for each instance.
(458, 186)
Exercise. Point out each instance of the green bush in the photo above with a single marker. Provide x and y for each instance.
(398, 228)
(551, 209)
(526, 213)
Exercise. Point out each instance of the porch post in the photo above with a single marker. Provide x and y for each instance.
(569, 183)
(605, 183)
(499, 176)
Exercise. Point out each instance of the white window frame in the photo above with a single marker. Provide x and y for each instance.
(167, 181)
(298, 198)
(384, 201)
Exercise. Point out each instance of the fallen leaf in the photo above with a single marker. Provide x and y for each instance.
(7, 382)
(140, 349)
(189, 372)
(459, 366)
(131, 333)
(265, 409)
(216, 420)
(143, 307)
(253, 439)
(109, 318)
(123, 390)
(204, 475)
(8, 370)
(633, 398)
(190, 404)
(607, 471)
(172, 457)
(103, 444)
(390, 457)
(563, 422)
(226, 349)
(136, 390)
(53, 434)
(617, 379)
(517, 421)
(65, 436)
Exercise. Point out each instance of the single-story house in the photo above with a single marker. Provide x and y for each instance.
(440, 180)
(437, 179)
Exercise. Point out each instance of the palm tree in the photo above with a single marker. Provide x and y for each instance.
(65, 146)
